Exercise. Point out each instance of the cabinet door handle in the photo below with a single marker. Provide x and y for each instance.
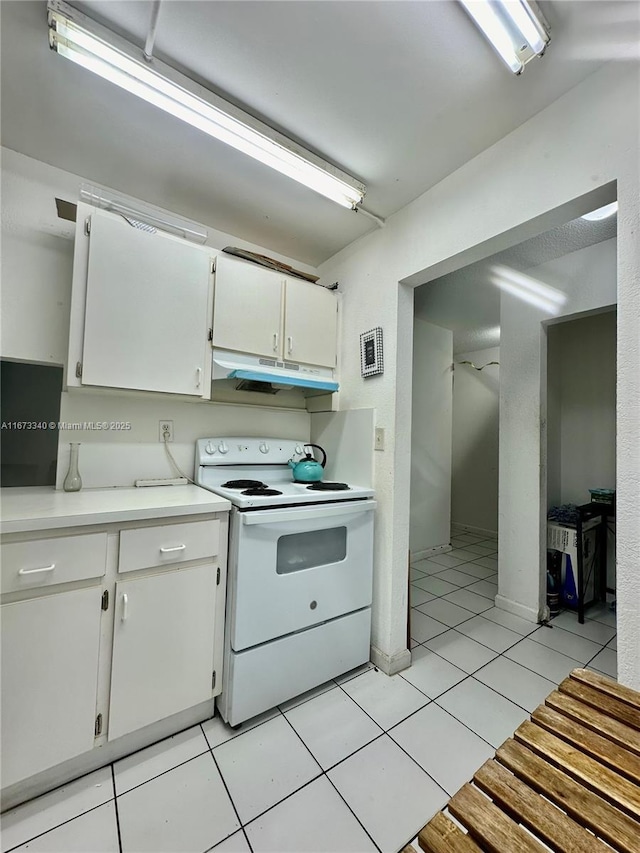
(125, 606)
(275, 341)
(169, 550)
(37, 571)
(289, 344)
(198, 376)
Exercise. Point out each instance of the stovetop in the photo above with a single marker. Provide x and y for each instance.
(253, 473)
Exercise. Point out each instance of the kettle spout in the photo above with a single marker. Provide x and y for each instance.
(291, 463)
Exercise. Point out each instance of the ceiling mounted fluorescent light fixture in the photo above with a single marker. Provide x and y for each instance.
(516, 28)
(601, 212)
(97, 49)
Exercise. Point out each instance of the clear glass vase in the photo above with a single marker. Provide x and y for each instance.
(73, 480)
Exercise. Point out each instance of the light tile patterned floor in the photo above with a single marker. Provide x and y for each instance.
(357, 764)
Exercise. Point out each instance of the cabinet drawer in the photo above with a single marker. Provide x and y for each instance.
(43, 562)
(167, 544)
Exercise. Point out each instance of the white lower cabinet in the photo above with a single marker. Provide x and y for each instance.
(163, 646)
(50, 648)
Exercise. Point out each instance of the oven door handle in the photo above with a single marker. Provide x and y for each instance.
(274, 516)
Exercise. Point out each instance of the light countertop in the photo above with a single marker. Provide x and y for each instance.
(45, 508)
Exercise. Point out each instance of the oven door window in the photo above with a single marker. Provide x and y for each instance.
(299, 551)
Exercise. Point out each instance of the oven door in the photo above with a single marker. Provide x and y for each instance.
(295, 567)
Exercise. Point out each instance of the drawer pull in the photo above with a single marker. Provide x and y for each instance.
(125, 606)
(170, 550)
(37, 571)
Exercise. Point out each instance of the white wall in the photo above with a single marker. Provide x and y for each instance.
(581, 371)
(476, 414)
(37, 254)
(430, 523)
(553, 168)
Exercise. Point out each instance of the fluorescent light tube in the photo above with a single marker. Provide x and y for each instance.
(516, 30)
(601, 212)
(93, 47)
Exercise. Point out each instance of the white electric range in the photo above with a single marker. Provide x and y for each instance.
(299, 575)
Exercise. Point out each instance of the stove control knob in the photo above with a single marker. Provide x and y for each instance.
(223, 448)
(264, 447)
(299, 450)
(209, 448)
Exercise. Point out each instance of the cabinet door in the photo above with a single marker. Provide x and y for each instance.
(162, 647)
(146, 323)
(247, 308)
(49, 675)
(311, 324)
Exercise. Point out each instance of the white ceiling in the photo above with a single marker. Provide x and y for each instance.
(466, 301)
(399, 94)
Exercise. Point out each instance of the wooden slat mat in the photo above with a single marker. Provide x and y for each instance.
(568, 780)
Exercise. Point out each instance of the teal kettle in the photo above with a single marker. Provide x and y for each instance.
(307, 470)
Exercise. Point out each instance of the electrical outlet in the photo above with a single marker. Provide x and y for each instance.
(165, 430)
(379, 439)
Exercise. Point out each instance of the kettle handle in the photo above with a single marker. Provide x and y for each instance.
(324, 455)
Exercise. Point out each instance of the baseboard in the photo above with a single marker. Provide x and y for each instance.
(391, 664)
(427, 552)
(529, 613)
(468, 528)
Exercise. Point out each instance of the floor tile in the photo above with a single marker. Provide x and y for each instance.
(158, 758)
(455, 577)
(540, 659)
(469, 600)
(93, 832)
(388, 700)
(597, 632)
(606, 661)
(217, 731)
(566, 643)
(613, 644)
(464, 554)
(415, 574)
(435, 586)
(518, 684)
(186, 810)
(484, 711)
(418, 596)
(430, 673)
(476, 571)
(332, 725)
(446, 560)
(444, 747)
(45, 812)
(468, 538)
(446, 612)
(353, 672)
(483, 549)
(413, 644)
(236, 843)
(390, 812)
(457, 542)
(489, 634)
(424, 627)
(488, 562)
(428, 567)
(602, 613)
(264, 765)
(462, 652)
(311, 820)
(487, 588)
(510, 621)
(309, 694)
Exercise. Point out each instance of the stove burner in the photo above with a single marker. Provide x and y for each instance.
(328, 487)
(244, 484)
(259, 492)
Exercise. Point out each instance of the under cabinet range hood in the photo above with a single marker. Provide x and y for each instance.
(254, 372)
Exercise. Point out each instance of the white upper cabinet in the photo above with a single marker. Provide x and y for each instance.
(140, 309)
(261, 312)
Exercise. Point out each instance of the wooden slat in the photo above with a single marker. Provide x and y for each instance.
(490, 827)
(607, 685)
(590, 772)
(617, 828)
(588, 742)
(609, 705)
(441, 835)
(598, 722)
(409, 849)
(543, 819)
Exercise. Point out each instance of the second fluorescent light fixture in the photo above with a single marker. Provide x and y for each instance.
(97, 49)
(516, 29)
